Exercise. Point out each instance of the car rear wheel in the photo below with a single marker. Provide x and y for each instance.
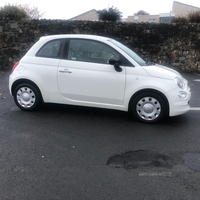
(27, 97)
(149, 107)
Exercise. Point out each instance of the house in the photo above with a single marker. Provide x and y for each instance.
(182, 10)
(161, 18)
(143, 18)
(178, 10)
(90, 15)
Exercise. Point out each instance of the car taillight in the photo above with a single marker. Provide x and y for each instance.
(14, 66)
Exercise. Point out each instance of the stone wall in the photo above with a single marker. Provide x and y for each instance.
(174, 45)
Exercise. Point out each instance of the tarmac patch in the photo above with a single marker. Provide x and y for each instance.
(140, 159)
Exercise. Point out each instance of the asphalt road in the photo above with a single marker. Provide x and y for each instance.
(75, 153)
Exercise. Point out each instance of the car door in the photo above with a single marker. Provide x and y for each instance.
(84, 74)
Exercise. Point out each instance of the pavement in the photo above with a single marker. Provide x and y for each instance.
(68, 152)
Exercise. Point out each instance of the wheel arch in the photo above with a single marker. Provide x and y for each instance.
(20, 81)
(152, 91)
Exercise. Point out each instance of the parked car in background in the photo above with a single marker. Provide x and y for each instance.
(96, 71)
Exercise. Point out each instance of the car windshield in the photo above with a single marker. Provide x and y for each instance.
(131, 53)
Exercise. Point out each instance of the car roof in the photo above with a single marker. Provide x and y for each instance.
(82, 36)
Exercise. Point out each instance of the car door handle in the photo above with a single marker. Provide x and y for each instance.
(65, 71)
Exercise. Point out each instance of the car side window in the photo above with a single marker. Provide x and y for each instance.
(51, 49)
(90, 51)
(78, 50)
(102, 52)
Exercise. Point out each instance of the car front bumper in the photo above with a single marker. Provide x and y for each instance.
(178, 105)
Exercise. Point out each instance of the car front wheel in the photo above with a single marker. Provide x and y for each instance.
(27, 97)
(149, 107)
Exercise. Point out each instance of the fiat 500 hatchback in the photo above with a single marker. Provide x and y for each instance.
(96, 71)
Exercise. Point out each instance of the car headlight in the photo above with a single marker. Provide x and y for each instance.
(180, 83)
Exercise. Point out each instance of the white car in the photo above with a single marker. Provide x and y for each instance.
(96, 71)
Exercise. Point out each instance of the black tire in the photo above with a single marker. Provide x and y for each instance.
(27, 97)
(149, 107)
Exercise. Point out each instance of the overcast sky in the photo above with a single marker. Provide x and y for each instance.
(63, 9)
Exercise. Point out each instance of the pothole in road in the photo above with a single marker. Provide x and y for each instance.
(140, 159)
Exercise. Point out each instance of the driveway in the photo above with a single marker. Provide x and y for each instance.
(66, 152)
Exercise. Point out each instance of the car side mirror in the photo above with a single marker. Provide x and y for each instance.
(114, 61)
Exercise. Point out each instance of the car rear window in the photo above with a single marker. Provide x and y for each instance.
(51, 49)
